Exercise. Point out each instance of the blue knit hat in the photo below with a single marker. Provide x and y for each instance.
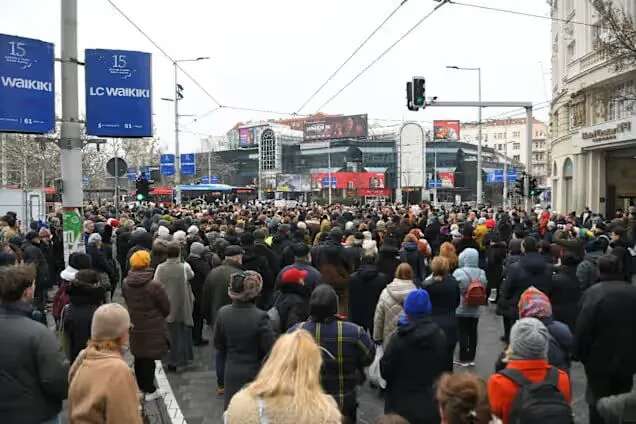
(417, 304)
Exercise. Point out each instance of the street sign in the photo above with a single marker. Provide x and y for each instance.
(132, 174)
(166, 164)
(214, 179)
(205, 179)
(325, 182)
(116, 164)
(86, 181)
(27, 85)
(188, 166)
(434, 184)
(118, 93)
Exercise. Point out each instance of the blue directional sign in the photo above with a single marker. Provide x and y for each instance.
(118, 93)
(434, 184)
(512, 175)
(214, 179)
(188, 165)
(166, 164)
(325, 182)
(132, 174)
(205, 179)
(27, 85)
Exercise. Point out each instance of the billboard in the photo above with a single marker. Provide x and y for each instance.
(293, 183)
(329, 127)
(118, 93)
(446, 130)
(348, 180)
(249, 136)
(27, 85)
(447, 179)
(268, 183)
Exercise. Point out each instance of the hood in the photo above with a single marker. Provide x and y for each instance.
(91, 354)
(139, 278)
(469, 258)
(420, 332)
(323, 303)
(325, 226)
(368, 272)
(533, 262)
(143, 240)
(399, 289)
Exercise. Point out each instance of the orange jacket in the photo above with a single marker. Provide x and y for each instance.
(502, 391)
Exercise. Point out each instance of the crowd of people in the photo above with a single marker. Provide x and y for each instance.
(303, 305)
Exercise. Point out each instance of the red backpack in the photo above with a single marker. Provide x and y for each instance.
(60, 300)
(475, 294)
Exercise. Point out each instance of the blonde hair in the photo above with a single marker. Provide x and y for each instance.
(448, 251)
(440, 266)
(404, 272)
(293, 370)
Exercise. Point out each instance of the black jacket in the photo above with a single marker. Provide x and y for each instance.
(33, 255)
(365, 287)
(604, 338)
(531, 270)
(444, 297)
(411, 255)
(123, 246)
(84, 300)
(262, 249)
(292, 303)
(495, 257)
(388, 260)
(100, 262)
(410, 384)
(201, 268)
(565, 296)
(254, 262)
(33, 376)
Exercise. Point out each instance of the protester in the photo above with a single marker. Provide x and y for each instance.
(201, 268)
(175, 275)
(566, 291)
(365, 288)
(242, 333)
(417, 341)
(302, 262)
(33, 255)
(389, 305)
(348, 349)
(463, 399)
(102, 387)
(32, 367)
(148, 306)
(495, 257)
(447, 250)
(417, 260)
(291, 301)
(287, 388)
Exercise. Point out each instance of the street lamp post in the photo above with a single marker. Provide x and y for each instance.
(479, 180)
(177, 156)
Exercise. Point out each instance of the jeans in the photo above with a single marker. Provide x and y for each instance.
(467, 338)
(220, 368)
(145, 374)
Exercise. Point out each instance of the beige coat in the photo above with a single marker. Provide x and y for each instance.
(243, 409)
(102, 389)
(389, 308)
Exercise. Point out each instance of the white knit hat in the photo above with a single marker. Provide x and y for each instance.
(110, 321)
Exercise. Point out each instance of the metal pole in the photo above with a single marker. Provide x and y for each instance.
(177, 156)
(504, 201)
(435, 179)
(526, 178)
(479, 181)
(329, 166)
(209, 165)
(117, 181)
(70, 142)
(4, 160)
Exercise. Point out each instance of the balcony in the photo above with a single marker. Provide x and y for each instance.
(585, 63)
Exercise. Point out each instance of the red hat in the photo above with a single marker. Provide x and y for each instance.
(490, 224)
(293, 276)
(113, 222)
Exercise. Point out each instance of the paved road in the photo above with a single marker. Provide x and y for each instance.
(195, 388)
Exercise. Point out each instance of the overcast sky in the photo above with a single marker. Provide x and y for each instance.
(273, 54)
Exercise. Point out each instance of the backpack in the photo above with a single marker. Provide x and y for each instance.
(538, 403)
(60, 300)
(475, 293)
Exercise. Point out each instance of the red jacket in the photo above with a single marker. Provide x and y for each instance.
(502, 391)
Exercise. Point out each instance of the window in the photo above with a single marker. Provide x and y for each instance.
(517, 157)
(571, 51)
(500, 147)
(516, 134)
(516, 146)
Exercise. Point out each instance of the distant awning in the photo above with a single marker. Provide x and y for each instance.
(161, 191)
(205, 187)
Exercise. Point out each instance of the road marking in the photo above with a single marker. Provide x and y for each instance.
(174, 411)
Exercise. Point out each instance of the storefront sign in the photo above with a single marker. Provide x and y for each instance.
(611, 133)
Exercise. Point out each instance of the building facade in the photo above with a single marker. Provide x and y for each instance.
(508, 137)
(593, 114)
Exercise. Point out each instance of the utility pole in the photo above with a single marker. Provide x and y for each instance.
(4, 160)
(329, 166)
(480, 188)
(70, 142)
(177, 155)
(526, 178)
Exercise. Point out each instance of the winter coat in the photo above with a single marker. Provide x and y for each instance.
(354, 254)
(468, 270)
(466, 243)
(243, 409)
(175, 275)
(604, 337)
(254, 262)
(414, 359)
(33, 255)
(84, 298)
(334, 267)
(411, 255)
(123, 246)
(292, 302)
(262, 249)
(388, 260)
(32, 369)
(214, 294)
(444, 297)
(102, 390)
(531, 270)
(365, 287)
(312, 280)
(587, 271)
(201, 268)
(618, 409)
(99, 262)
(243, 333)
(495, 257)
(148, 306)
(389, 309)
(565, 296)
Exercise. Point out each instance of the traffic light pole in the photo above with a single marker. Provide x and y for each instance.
(526, 179)
(177, 156)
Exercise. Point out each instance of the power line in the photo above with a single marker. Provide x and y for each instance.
(517, 12)
(535, 106)
(315, 93)
(158, 47)
(377, 59)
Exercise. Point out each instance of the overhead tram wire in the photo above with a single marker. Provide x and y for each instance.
(351, 56)
(384, 53)
(520, 13)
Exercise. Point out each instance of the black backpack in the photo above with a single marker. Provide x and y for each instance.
(538, 403)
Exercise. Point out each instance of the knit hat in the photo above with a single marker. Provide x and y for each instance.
(380, 225)
(293, 276)
(245, 286)
(163, 231)
(76, 262)
(113, 222)
(94, 238)
(233, 250)
(534, 303)
(197, 249)
(529, 339)
(301, 225)
(179, 236)
(193, 230)
(140, 260)
(110, 321)
(417, 304)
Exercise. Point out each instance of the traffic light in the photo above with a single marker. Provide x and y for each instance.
(409, 96)
(519, 186)
(419, 92)
(179, 91)
(532, 190)
(142, 186)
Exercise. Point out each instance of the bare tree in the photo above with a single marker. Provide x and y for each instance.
(616, 36)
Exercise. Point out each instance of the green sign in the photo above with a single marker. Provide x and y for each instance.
(72, 222)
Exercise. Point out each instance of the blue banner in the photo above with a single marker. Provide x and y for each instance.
(118, 93)
(188, 166)
(132, 174)
(166, 164)
(27, 85)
